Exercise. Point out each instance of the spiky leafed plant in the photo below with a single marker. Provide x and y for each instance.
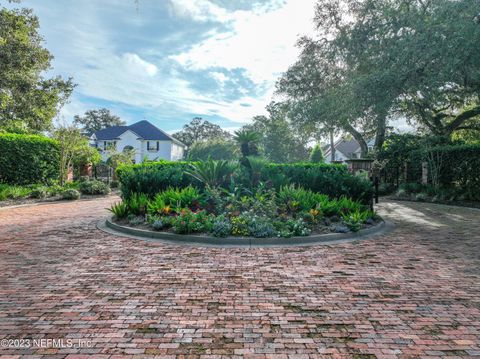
(211, 173)
(248, 141)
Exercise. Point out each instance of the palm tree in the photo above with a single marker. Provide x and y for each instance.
(248, 141)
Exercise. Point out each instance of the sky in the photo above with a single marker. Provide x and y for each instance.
(168, 61)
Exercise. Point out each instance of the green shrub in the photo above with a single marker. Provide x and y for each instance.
(153, 177)
(355, 220)
(459, 167)
(332, 180)
(27, 159)
(221, 227)
(13, 192)
(298, 199)
(421, 197)
(93, 187)
(39, 192)
(260, 227)
(119, 210)
(137, 204)
(70, 194)
(190, 222)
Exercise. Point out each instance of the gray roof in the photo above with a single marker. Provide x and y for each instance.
(144, 129)
(347, 147)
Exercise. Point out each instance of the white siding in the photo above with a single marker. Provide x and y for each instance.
(167, 150)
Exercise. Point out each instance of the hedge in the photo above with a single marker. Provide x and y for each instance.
(27, 159)
(333, 180)
(460, 167)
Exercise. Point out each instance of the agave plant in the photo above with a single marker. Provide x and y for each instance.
(211, 173)
(248, 141)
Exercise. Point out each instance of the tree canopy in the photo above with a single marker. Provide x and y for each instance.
(200, 130)
(375, 59)
(28, 99)
(279, 140)
(95, 120)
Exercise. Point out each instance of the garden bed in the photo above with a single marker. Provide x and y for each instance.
(114, 227)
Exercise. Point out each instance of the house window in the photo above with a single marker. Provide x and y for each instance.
(104, 145)
(158, 145)
(148, 145)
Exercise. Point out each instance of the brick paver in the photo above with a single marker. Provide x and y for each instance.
(414, 293)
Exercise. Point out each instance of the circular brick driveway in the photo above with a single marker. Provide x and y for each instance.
(414, 292)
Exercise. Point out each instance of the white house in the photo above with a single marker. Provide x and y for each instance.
(147, 140)
(344, 150)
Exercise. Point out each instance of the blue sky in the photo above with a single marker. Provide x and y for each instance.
(171, 60)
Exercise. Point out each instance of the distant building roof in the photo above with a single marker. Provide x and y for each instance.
(144, 129)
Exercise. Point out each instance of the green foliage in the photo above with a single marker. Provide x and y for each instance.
(458, 167)
(248, 141)
(240, 226)
(200, 130)
(13, 192)
(119, 210)
(95, 120)
(211, 173)
(280, 141)
(355, 220)
(190, 222)
(73, 148)
(153, 177)
(93, 187)
(332, 180)
(261, 227)
(221, 226)
(175, 199)
(26, 159)
(137, 203)
(28, 100)
(39, 192)
(298, 199)
(215, 149)
(70, 194)
(316, 156)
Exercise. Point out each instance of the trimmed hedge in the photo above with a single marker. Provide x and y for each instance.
(460, 167)
(332, 180)
(27, 159)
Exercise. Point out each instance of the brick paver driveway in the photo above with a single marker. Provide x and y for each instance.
(412, 293)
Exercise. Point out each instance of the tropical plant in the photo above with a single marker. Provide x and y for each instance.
(137, 203)
(355, 220)
(119, 210)
(248, 141)
(211, 173)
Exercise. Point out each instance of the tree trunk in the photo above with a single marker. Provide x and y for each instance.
(332, 147)
(380, 133)
(359, 138)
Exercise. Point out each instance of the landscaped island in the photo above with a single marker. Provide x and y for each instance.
(252, 198)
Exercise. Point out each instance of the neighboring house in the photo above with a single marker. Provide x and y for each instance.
(147, 140)
(344, 150)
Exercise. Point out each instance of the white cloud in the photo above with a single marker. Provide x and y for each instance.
(199, 10)
(262, 41)
(139, 66)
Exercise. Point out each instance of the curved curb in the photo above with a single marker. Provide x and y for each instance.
(206, 241)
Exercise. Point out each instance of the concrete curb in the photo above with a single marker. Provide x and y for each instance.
(206, 241)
